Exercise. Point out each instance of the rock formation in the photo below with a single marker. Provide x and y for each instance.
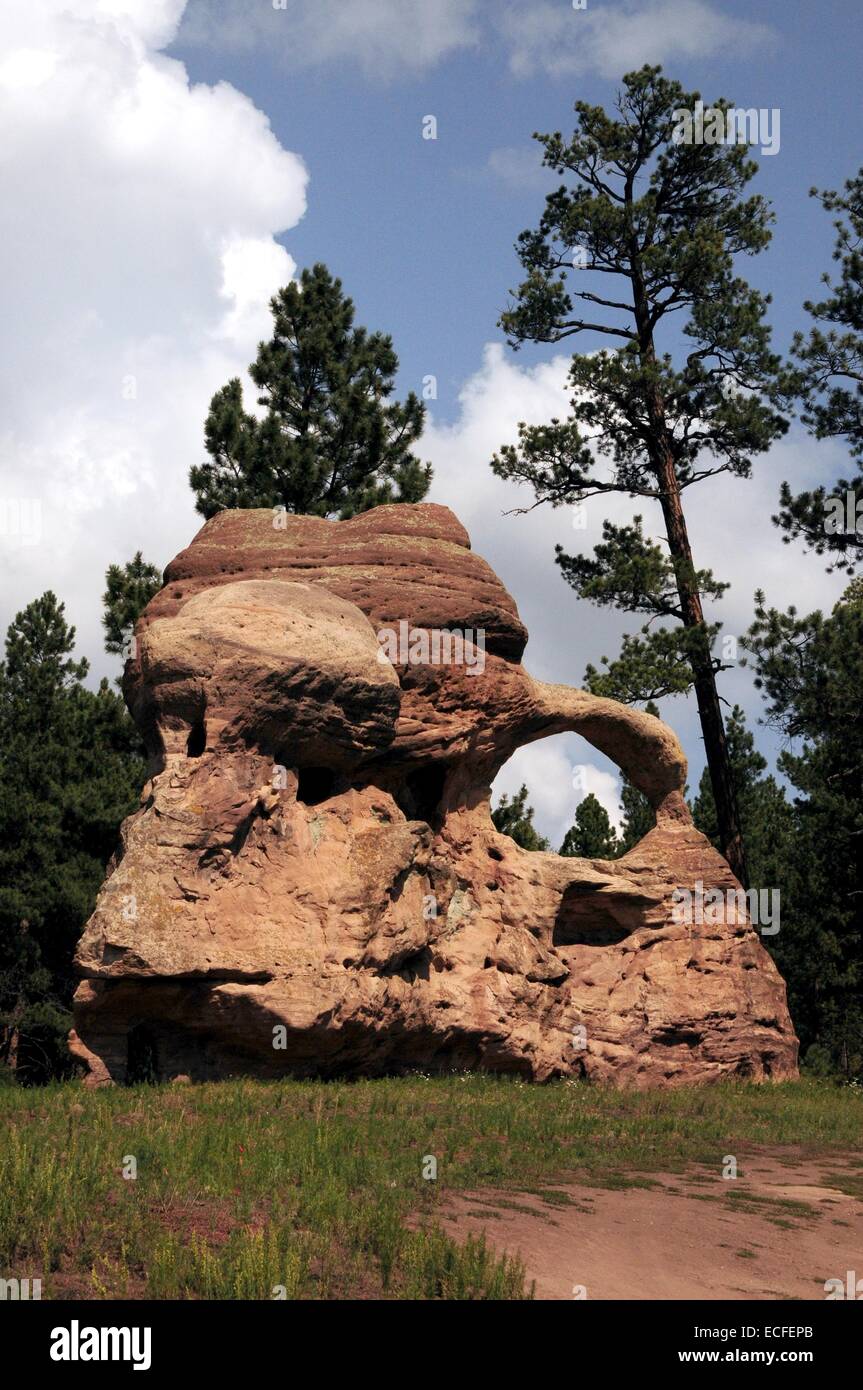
(313, 884)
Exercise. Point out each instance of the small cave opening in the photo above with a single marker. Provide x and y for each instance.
(422, 793)
(678, 1036)
(197, 741)
(142, 1055)
(315, 784)
(583, 919)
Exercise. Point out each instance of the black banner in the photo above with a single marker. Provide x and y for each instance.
(84, 1339)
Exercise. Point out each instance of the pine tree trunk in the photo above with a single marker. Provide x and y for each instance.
(704, 679)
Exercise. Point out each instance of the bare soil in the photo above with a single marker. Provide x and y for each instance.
(784, 1226)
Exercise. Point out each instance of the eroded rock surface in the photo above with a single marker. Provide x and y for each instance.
(313, 884)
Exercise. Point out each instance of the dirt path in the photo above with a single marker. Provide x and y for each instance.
(777, 1231)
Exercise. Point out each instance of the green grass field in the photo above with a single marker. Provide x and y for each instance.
(317, 1189)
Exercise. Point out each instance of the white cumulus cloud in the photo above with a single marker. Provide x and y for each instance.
(612, 39)
(385, 38)
(388, 39)
(138, 217)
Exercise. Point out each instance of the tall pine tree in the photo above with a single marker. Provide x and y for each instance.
(650, 230)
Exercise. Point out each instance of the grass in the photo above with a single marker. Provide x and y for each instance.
(303, 1189)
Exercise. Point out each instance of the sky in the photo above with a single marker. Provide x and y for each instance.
(166, 165)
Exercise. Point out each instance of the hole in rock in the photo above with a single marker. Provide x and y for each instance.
(315, 784)
(535, 793)
(563, 795)
(678, 1036)
(142, 1056)
(583, 919)
(422, 792)
(413, 967)
(197, 740)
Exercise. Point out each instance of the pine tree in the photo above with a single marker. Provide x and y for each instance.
(766, 815)
(592, 836)
(665, 219)
(69, 772)
(830, 383)
(329, 443)
(639, 817)
(810, 670)
(129, 590)
(515, 818)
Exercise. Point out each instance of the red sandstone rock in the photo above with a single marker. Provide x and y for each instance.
(313, 884)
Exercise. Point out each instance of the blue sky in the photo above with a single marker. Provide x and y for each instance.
(169, 163)
(422, 231)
